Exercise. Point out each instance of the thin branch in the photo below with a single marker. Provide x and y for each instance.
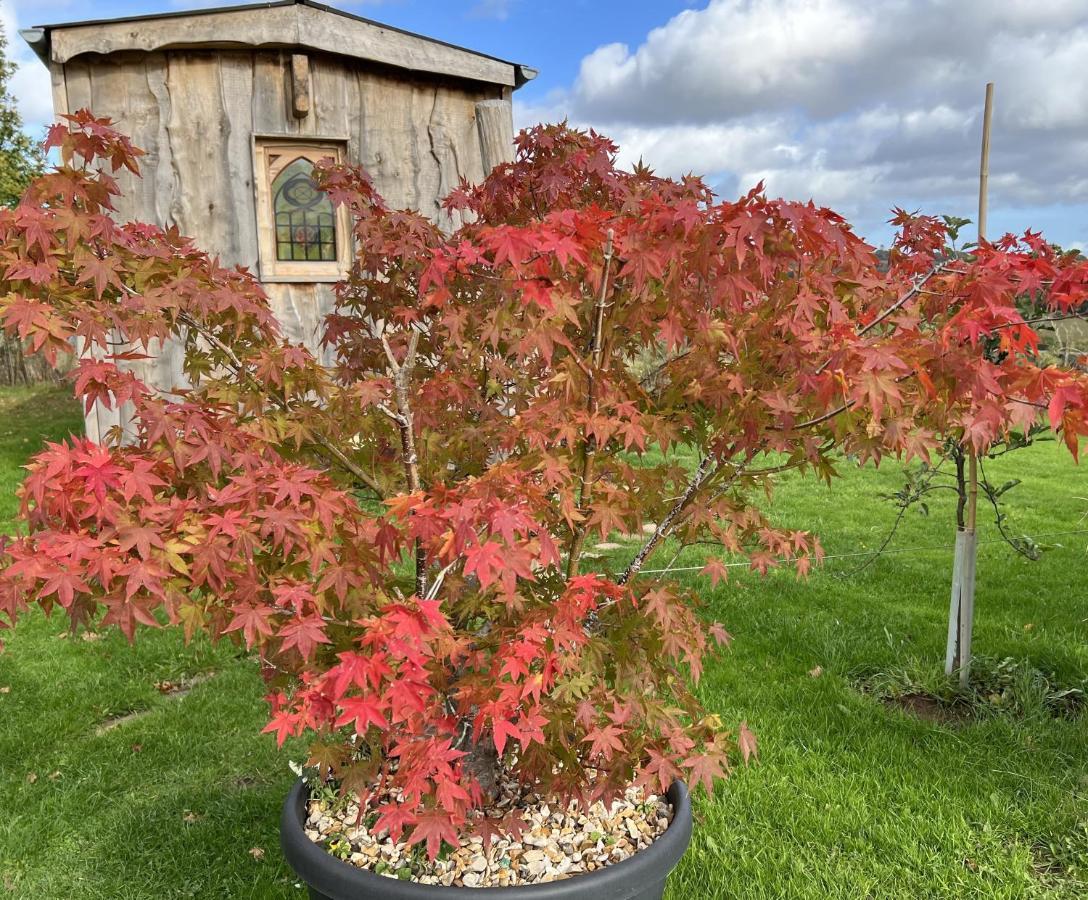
(331, 450)
(589, 445)
(906, 504)
(402, 372)
(1040, 319)
(648, 378)
(999, 517)
(890, 311)
(819, 420)
(707, 466)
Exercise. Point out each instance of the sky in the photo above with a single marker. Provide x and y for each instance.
(860, 105)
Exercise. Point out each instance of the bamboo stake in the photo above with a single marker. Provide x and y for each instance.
(964, 604)
(984, 163)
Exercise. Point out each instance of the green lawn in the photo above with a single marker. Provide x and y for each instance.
(851, 797)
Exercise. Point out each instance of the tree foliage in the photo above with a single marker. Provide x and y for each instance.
(21, 159)
(399, 536)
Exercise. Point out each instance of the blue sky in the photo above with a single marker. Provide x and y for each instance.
(859, 104)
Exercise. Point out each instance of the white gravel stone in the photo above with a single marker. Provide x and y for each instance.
(559, 841)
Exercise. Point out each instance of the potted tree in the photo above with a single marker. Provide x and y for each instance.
(404, 538)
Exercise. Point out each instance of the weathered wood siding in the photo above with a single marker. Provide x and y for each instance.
(196, 113)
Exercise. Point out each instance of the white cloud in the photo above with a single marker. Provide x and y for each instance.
(861, 104)
(207, 4)
(726, 59)
(30, 85)
(491, 9)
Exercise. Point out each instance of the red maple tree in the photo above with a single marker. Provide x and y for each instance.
(400, 536)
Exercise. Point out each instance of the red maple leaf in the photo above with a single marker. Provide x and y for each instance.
(604, 741)
(434, 827)
(304, 635)
(253, 621)
(705, 768)
(501, 730)
(363, 712)
(485, 561)
(747, 743)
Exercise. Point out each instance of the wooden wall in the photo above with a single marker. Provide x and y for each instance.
(195, 114)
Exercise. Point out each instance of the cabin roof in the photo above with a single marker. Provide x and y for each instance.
(275, 24)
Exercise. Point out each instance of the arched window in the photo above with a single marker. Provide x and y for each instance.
(302, 236)
(304, 216)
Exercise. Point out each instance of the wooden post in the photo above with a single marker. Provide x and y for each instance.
(961, 614)
(300, 85)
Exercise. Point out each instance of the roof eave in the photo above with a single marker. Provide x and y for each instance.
(437, 57)
(38, 40)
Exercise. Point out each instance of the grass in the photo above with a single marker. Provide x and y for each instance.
(852, 797)
(28, 418)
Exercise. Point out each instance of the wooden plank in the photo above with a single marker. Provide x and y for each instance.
(287, 26)
(60, 91)
(271, 112)
(236, 94)
(160, 172)
(335, 101)
(453, 141)
(199, 129)
(300, 308)
(321, 30)
(262, 27)
(386, 136)
(120, 89)
(77, 84)
(495, 122)
(417, 139)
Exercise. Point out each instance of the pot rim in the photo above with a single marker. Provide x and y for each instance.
(340, 880)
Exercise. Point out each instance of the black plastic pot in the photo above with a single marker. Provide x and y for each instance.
(640, 877)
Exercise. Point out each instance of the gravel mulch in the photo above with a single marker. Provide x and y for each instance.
(558, 841)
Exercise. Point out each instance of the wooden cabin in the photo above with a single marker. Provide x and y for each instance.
(234, 106)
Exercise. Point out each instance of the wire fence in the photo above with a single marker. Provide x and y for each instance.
(927, 549)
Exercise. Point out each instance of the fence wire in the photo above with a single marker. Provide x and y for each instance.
(890, 550)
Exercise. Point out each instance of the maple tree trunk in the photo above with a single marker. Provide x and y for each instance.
(589, 445)
(481, 761)
(406, 425)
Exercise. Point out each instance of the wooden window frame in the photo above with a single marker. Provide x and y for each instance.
(271, 154)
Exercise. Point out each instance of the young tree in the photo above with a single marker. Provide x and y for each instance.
(21, 160)
(399, 538)
(961, 461)
(948, 472)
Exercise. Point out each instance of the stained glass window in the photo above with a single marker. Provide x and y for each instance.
(305, 219)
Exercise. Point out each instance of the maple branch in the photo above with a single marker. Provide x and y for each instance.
(999, 518)
(705, 469)
(1057, 318)
(900, 303)
(336, 454)
(589, 445)
(819, 420)
(406, 425)
(646, 379)
(890, 311)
